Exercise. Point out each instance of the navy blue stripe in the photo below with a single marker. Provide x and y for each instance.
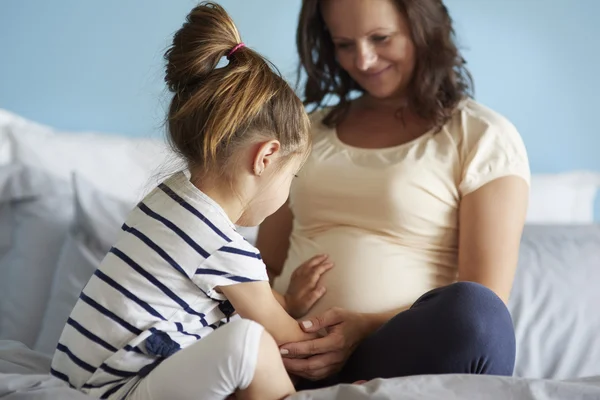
(61, 376)
(205, 271)
(175, 229)
(233, 250)
(165, 256)
(180, 330)
(82, 364)
(210, 272)
(135, 266)
(191, 209)
(110, 314)
(118, 372)
(90, 335)
(98, 340)
(101, 385)
(109, 392)
(134, 349)
(128, 294)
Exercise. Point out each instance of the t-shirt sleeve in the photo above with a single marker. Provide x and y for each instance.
(236, 262)
(492, 150)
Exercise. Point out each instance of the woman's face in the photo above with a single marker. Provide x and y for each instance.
(372, 43)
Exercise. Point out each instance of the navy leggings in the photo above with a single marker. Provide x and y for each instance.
(461, 328)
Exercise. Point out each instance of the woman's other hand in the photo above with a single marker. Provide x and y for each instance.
(319, 358)
(304, 289)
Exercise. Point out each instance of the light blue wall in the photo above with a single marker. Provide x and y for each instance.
(97, 65)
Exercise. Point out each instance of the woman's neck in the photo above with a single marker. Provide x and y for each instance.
(389, 103)
(396, 107)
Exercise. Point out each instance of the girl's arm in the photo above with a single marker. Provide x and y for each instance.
(255, 301)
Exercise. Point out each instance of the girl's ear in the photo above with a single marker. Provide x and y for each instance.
(265, 156)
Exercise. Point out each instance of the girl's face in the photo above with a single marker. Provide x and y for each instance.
(373, 44)
(272, 193)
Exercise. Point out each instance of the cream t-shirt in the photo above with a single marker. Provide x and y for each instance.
(388, 218)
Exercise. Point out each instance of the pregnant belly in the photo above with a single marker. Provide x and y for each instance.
(371, 274)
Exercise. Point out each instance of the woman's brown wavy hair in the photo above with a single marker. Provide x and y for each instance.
(440, 79)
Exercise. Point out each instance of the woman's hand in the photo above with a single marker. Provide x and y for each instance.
(319, 358)
(304, 289)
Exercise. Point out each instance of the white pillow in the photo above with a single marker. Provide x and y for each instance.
(5, 146)
(98, 219)
(555, 301)
(566, 198)
(6, 120)
(39, 210)
(121, 166)
(75, 266)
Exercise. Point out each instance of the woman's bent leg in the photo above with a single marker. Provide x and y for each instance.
(460, 328)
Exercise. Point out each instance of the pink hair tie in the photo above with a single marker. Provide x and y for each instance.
(236, 48)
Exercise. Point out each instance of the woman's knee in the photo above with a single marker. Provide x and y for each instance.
(476, 308)
(474, 299)
(482, 323)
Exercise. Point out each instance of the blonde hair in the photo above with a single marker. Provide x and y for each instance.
(216, 110)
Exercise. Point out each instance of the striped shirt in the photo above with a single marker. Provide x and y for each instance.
(154, 292)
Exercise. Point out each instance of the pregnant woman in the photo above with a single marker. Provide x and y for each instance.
(416, 192)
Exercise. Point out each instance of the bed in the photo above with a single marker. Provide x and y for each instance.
(64, 196)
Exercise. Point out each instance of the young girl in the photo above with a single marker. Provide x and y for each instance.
(156, 321)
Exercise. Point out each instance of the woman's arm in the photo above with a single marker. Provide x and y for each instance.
(273, 240)
(491, 223)
(255, 301)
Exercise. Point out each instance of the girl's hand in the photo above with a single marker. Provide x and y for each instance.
(319, 358)
(304, 289)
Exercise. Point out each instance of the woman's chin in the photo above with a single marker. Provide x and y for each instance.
(382, 93)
